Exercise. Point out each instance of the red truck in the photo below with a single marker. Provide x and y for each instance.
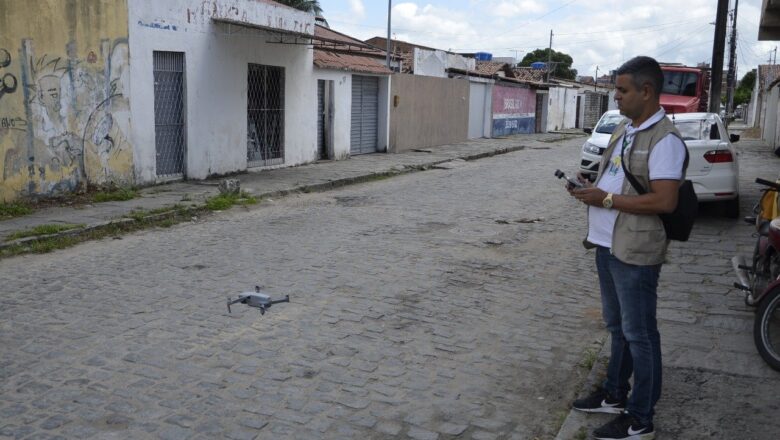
(686, 89)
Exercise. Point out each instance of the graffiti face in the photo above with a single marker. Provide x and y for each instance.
(8, 81)
(5, 58)
(49, 93)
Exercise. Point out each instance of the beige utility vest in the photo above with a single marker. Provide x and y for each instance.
(638, 238)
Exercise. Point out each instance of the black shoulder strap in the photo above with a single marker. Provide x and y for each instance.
(632, 180)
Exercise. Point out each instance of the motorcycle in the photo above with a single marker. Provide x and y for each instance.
(760, 280)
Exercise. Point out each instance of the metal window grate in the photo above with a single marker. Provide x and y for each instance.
(265, 115)
(169, 121)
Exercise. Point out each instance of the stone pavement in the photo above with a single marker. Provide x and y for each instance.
(433, 305)
(276, 182)
(412, 318)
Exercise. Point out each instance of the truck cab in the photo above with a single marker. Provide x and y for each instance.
(686, 89)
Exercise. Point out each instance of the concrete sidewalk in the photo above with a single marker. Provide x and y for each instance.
(273, 183)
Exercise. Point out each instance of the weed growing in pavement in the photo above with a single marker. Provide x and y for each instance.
(14, 209)
(581, 434)
(225, 201)
(589, 358)
(560, 418)
(43, 230)
(115, 195)
(115, 230)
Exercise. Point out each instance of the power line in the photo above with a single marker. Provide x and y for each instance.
(672, 23)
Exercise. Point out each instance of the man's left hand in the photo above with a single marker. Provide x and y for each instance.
(592, 196)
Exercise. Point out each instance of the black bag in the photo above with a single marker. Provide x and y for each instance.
(678, 223)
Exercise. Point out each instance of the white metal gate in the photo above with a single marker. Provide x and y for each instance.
(265, 115)
(478, 108)
(365, 110)
(169, 122)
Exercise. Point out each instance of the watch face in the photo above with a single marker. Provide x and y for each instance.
(607, 202)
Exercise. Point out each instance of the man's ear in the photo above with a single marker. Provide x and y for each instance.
(647, 91)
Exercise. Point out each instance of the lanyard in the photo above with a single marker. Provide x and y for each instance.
(626, 142)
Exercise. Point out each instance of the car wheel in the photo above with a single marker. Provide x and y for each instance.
(731, 208)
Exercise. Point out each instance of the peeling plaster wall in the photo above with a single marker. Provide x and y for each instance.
(342, 109)
(64, 110)
(562, 110)
(216, 57)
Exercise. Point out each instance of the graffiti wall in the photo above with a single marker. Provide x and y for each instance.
(64, 113)
(514, 110)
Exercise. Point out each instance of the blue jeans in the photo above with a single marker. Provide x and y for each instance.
(628, 299)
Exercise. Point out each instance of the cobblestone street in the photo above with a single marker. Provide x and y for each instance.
(455, 302)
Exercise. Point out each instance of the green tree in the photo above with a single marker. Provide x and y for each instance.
(748, 81)
(743, 93)
(561, 62)
(310, 6)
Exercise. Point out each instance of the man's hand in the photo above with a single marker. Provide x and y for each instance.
(586, 183)
(590, 195)
(662, 198)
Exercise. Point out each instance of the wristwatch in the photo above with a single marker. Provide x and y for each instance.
(607, 202)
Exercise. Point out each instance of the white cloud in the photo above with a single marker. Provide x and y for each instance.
(514, 8)
(593, 32)
(358, 8)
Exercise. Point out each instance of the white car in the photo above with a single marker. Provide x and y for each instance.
(712, 165)
(597, 142)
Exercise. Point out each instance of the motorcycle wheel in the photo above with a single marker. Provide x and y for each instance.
(766, 329)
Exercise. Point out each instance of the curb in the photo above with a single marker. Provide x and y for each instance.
(576, 420)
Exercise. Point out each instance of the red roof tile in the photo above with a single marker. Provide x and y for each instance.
(493, 67)
(530, 74)
(345, 61)
(342, 52)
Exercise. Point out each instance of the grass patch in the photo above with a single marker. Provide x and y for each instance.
(141, 215)
(225, 201)
(581, 434)
(589, 358)
(43, 230)
(115, 195)
(114, 230)
(14, 209)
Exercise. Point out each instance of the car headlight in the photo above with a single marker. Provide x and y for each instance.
(590, 148)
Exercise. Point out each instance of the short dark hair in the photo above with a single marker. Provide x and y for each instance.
(644, 70)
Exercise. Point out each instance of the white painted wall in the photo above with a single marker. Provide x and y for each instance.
(480, 108)
(436, 62)
(217, 57)
(562, 108)
(612, 103)
(769, 126)
(342, 109)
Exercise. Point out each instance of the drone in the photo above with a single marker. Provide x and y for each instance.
(256, 299)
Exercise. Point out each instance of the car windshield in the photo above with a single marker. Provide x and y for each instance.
(679, 83)
(608, 123)
(698, 129)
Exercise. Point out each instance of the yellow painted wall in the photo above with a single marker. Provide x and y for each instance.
(64, 89)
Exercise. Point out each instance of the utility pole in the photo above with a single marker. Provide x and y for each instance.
(718, 46)
(549, 56)
(596, 79)
(387, 51)
(774, 60)
(731, 78)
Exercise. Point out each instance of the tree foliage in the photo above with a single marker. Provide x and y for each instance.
(561, 62)
(311, 6)
(743, 93)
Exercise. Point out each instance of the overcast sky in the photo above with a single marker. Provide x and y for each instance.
(601, 33)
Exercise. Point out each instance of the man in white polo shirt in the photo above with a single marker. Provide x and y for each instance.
(631, 244)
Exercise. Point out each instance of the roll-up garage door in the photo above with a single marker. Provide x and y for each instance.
(365, 108)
